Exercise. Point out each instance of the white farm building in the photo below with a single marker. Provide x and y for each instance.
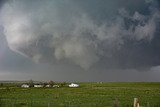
(38, 86)
(25, 86)
(73, 85)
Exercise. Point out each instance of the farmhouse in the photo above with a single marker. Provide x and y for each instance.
(25, 86)
(73, 85)
(38, 86)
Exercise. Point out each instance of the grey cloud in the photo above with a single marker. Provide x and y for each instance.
(54, 31)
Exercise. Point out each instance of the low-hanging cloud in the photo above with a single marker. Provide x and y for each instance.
(53, 31)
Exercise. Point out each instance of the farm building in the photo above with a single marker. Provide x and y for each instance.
(56, 86)
(38, 86)
(25, 86)
(73, 85)
(48, 85)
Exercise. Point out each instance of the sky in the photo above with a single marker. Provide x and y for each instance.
(80, 40)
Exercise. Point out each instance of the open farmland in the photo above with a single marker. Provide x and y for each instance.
(87, 95)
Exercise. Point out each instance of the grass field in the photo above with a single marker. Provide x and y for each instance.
(87, 95)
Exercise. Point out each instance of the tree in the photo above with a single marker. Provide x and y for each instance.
(1, 85)
(51, 83)
(31, 83)
(63, 84)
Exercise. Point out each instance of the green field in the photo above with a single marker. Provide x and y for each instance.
(87, 95)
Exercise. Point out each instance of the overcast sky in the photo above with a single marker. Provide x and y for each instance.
(80, 40)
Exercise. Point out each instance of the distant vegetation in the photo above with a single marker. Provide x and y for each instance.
(87, 95)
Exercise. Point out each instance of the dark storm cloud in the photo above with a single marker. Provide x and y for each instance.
(88, 32)
(81, 35)
(2, 2)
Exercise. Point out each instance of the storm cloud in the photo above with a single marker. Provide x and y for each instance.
(90, 34)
